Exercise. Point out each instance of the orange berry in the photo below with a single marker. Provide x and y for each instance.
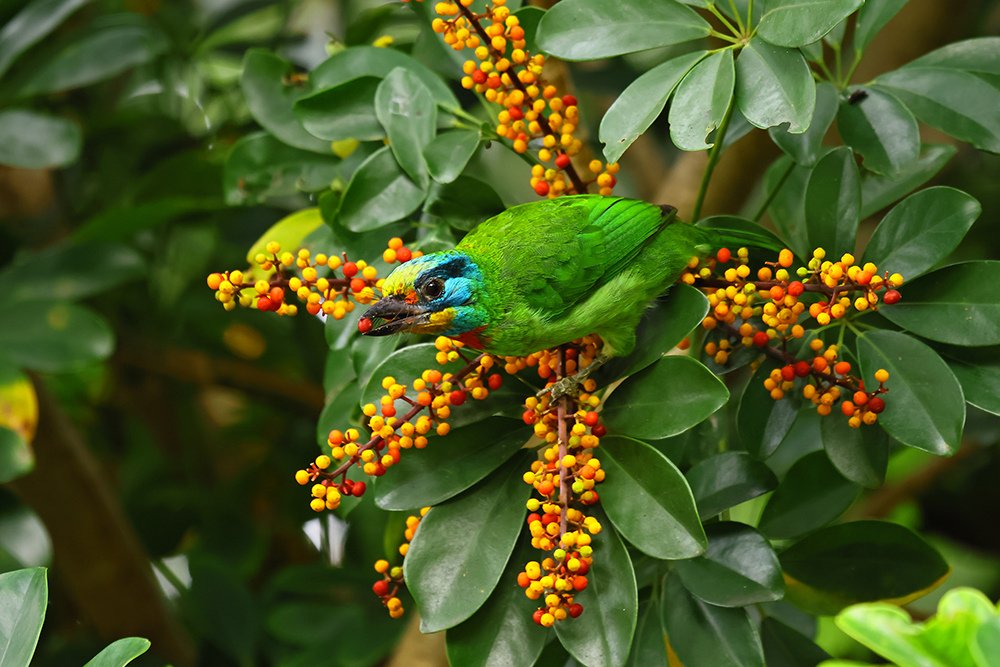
(842, 368)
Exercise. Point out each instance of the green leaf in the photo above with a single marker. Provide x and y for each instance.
(54, 337)
(405, 108)
(799, 22)
(591, 29)
(958, 103)
(859, 454)
(739, 568)
(664, 324)
(456, 557)
(979, 54)
(821, 570)
(874, 15)
(987, 647)
(748, 231)
(665, 399)
(786, 647)
(649, 645)
(33, 140)
(344, 111)
(788, 208)
(449, 153)
(922, 230)
(807, 147)
(223, 608)
(956, 304)
(451, 465)
(271, 91)
(704, 634)
(289, 232)
(30, 25)
(23, 597)
(728, 479)
(463, 203)
(773, 86)
(701, 101)
(66, 271)
(16, 457)
(259, 168)
(501, 633)
(877, 192)
(642, 102)
(120, 653)
(643, 489)
(379, 193)
(978, 371)
(108, 47)
(882, 130)
(924, 407)
(811, 495)
(833, 202)
(602, 635)
(763, 422)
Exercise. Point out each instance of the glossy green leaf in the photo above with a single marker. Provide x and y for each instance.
(344, 111)
(16, 457)
(107, 48)
(957, 304)
(259, 168)
(728, 479)
(922, 230)
(405, 108)
(774, 86)
(456, 558)
(762, 421)
(23, 597)
(591, 29)
(799, 22)
(66, 271)
(289, 232)
(739, 568)
(701, 101)
(643, 489)
(602, 635)
(379, 193)
(979, 54)
(271, 89)
(986, 650)
(704, 634)
(877, 192)
(54, 337)
(749, 232)
(881, 129)
(428, 477)
(859, 454)
(449, 153)
(874, 15)
(501, 633)
(649, 644)
(978, 371)
(958, 103)
(833, 202)
(34, 140)
(120, 653)
(788, 207)
(30, 25)
(641, 103)
(924, 407)
(821, 570)
(787, 647)
(665, 399)
(463, 203)
(811, 495)
(664, 324)
(806, 148)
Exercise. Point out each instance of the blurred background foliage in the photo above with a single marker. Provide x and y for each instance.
(148, 437)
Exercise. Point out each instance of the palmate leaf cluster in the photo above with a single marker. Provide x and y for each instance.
(723, 509)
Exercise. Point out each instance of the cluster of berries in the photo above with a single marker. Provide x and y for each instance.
(329, 284)
(387, 588)
(433, 391)
(533, 114)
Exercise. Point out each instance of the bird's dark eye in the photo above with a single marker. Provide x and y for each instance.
(433, 288)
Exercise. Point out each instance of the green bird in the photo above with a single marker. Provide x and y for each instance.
(542, 274)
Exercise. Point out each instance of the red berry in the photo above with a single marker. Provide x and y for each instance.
(350, 269)
(364, 326)
(580, 583)
(575, 610)
(891, 297)
(760, 339)
(523, 580)
(542, 188)
(802, 368)
(515, 113)
(530, 417)
(493, 81)
(380, 588)
(313, 308)
(264, 303)
(569, 100)
(591, 419)
(277, 295)
(796, 288)
(457, 397)
(495, 381)
(479, 76)
(358, 489)
(404, 255)
(584, 568)
(600, 431)
(788, 373)
(562, 160)
(537, 616)
(876, 405)
(357, 284)
(723, 255)
(534, 516)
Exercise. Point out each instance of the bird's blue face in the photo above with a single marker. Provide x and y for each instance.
(433, 294)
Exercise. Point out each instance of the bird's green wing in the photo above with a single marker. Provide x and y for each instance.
(550, 254)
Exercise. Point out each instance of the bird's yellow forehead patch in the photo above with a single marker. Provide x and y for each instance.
(401, 280)
(439, 321)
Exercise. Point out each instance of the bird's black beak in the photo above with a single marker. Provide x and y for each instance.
(392, 314)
